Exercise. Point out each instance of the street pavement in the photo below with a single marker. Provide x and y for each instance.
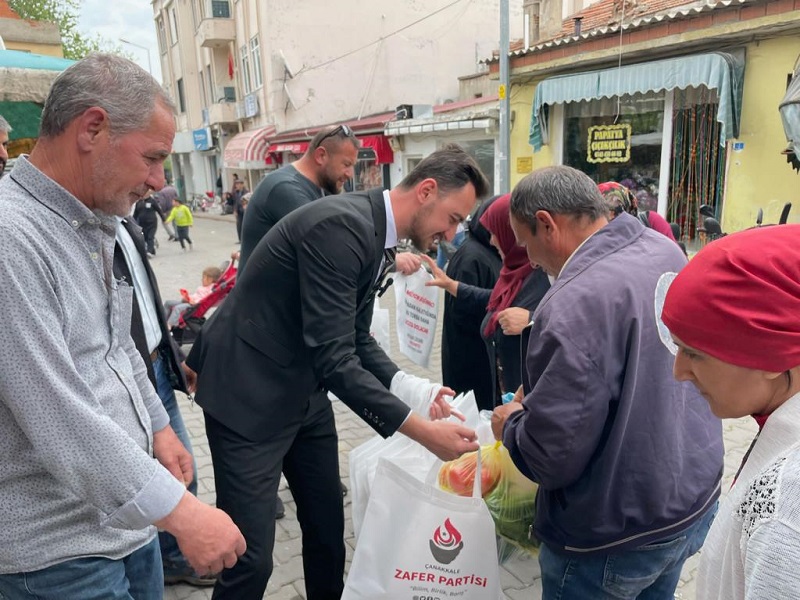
(214, 239)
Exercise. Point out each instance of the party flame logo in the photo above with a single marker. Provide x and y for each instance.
(446, 544)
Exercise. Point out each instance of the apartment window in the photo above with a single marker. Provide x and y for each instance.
(162, 36)
(246, 81)
(255, 53)
(181, 96)
(220, 9)
(173, 25)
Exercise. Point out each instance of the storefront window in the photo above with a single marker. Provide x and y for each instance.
(368, 173)
(625, 144)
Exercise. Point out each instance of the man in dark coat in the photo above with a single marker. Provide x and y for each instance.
(296, 325)
(465, 362)
(146, 213)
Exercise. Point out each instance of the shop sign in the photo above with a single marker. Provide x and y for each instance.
(524, 164)
(609, 143)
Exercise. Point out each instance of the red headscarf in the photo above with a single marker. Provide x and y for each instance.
(516, 266)
(738, 300)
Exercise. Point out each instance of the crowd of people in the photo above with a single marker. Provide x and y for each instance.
(553, 301)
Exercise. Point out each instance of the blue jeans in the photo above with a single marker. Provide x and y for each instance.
(170, 552)
(649, 572)
(138, 576)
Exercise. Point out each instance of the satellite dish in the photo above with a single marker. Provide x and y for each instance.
(289, 71)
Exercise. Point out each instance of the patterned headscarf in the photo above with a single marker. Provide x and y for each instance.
(619, 199)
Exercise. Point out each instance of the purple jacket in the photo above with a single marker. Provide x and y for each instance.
(622, 452)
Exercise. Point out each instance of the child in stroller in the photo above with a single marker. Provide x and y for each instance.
(191, 320)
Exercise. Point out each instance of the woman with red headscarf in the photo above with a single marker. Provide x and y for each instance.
(509, 305)
(734, 314)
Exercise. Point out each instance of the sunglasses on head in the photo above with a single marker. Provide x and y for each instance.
(341, 129)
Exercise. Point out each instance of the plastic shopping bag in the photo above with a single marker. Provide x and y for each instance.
(509, 495)
(417, 312)
(420, 542)
(413, 458)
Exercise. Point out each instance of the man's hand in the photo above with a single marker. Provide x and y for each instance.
(171, 453)
(500, 416)
(441, 408)
(513, 320)
(407, 263)
(446, 440)
(440, 278)
(191, 377)
(207, 537)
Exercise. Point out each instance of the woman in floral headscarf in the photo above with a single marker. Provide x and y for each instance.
(620, 199)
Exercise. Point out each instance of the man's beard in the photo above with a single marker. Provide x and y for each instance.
(329, 184)
(420, 242)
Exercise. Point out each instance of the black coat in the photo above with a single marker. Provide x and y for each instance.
(168, 349)
(298, 321)
(505, 351)
(465, 360)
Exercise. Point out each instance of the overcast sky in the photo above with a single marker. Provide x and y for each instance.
(128, 19)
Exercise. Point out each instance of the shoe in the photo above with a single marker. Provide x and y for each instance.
(151, 255)
(174, 575)
(280, 511)
(344, 488)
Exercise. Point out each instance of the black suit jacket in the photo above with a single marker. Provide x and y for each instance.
(298, 322)
(168, 348)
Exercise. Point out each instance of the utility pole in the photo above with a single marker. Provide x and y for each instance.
(503, 91)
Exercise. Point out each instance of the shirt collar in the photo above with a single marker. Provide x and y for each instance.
(52, 195)
(391, 226)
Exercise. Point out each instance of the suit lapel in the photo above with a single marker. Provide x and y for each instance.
(379, 220)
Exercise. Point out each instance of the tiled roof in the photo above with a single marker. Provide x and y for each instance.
(6, 12)
(603, 18)
(609, 12)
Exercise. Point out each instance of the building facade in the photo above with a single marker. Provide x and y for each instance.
(244, 72)
(677, 100)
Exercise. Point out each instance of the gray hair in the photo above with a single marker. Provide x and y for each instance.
(119, 86)
(4, 126)
(557, 190)
(452, 168)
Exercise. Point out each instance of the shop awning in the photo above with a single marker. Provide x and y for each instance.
(721, 71)
(293, 147)
(380, 144)
(248, 149)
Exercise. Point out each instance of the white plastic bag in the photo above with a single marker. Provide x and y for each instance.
(379, 329)
(403, 451)
(420, 542)
(417, 312)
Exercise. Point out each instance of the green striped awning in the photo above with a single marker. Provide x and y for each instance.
(721, 71)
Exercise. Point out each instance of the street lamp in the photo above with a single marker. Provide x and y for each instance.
(145, 48)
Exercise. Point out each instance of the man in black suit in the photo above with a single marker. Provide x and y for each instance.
(164, 362)
(297, 325)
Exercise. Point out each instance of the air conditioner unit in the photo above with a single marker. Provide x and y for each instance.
(403, 112)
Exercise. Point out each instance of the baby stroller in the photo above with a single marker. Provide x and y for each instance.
(194, 317)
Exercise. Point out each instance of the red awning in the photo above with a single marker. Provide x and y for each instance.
(380, 144)
(247, 150)
(293, 147)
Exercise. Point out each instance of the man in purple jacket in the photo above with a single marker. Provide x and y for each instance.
(628, 460)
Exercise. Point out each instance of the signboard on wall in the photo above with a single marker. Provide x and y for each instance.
(524, 164)
(609, 143)
(201, 138)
